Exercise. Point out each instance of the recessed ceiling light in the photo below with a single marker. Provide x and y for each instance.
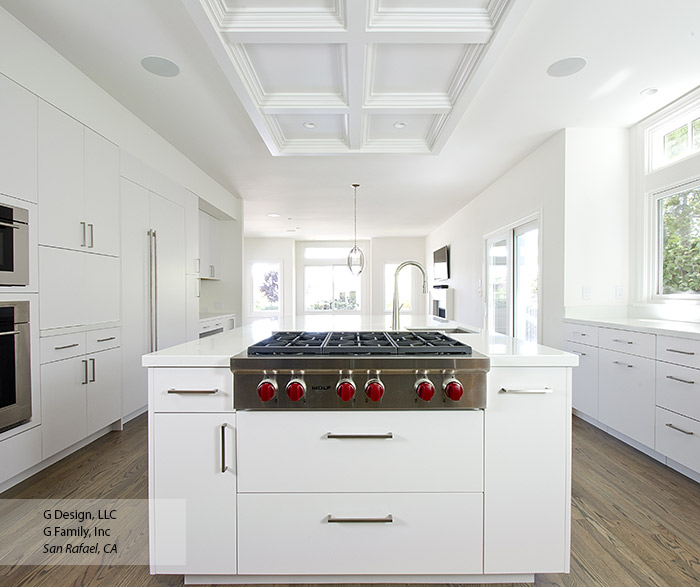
(273, 215)
(400, 124)
(291, 230)
(648, 91)
(568, 66)
(309, 124)
(160, 66)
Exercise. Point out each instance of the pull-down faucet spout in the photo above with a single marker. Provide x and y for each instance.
(395, 303)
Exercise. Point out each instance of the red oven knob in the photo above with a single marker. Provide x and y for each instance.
(374, 389)
(296, 389)
(453, 389)
(425, 389)
(267, 389)
(345, 389)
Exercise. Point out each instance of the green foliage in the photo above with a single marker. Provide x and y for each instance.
(342, 302)
(680, 214)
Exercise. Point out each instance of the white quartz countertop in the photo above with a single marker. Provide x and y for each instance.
(649, 325)
(217, 350)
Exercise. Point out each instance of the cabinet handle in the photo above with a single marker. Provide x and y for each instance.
(92, 236)
(106, 339)
(11, 333)
(224, 466)
(580, 333)
(355, 436)
(197, 265)
(84, 243)
(204, 391)
(85, 373)
(623, 364)
(689, 353)
(10, 225)
(526, 391)
(579, 353)
(92, 364)
(679, 379)
(67, 346)
(680, 429)
(385, 520)
(622, 341)
(153, 295)
(211, 271)
(199, 287)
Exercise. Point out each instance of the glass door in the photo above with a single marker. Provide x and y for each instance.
(498, 284)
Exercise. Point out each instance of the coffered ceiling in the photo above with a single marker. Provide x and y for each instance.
(350, 76)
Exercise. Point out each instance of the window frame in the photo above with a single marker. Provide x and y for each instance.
(252, 312)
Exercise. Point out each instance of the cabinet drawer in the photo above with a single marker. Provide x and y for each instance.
(641, 344)
(64, 346)
(682, 351)
(406, 451)
(678, 389)
(678, 438)
(100, 340)
(192, 390)
(428, 533)
(582, 333)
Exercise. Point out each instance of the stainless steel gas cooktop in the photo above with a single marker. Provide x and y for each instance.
(359, 370)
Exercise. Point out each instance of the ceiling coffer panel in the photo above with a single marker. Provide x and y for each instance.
(336, 76)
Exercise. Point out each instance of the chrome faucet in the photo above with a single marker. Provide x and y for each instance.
(395, 303)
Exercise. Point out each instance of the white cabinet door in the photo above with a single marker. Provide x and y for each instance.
(61, 181)
(135, 291)
(585, 378)
(104, 390)
(101, 289)
(194, 486)
(627, 395)
(527, 470)
(63, 404)
(61, 282)
(101, 194)
(205, 244)
(193, 289)
(18, 148)
(193, 264)
(168, 220)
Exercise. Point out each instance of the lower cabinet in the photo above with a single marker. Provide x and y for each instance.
(585, 378)
(194, 494)
(627, 395)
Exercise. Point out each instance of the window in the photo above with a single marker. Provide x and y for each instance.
(678, 242)
(405, 287)
(265, 295)
(674, 140)
(325, 282)
(512, 278)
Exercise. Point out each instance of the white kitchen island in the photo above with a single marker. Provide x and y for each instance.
(489, 504)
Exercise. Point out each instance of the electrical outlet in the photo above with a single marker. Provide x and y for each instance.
(586, 292)
(619, 292)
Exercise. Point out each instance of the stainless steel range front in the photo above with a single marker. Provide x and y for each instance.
(359, 371)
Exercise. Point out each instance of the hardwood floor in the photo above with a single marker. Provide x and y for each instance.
(635, 522)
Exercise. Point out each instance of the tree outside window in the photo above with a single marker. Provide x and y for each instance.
(266, 287)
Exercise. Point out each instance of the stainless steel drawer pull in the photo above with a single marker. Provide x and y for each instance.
(10, 225)
(106, 339)
(380, 436)
(622, 341)
(679, 379)
(10, 333)
(224, 466)
(623, 364)
(385, 520)
(690, 353)
(526, 391)
(85, 379)
(680, 429)
(579, 353)
(203, 391)
(67, 346)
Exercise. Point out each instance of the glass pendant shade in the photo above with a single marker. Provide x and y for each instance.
(356, 260)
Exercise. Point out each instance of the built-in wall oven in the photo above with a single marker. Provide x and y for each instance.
(15, 371)
(14, 245)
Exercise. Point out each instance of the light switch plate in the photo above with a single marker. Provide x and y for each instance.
(586, 292)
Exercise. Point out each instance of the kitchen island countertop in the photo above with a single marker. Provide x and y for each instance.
(216, 351)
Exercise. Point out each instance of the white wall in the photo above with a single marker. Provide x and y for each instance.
(269, 249)
(225, 295)
(396, 250)
(535, 185)
(30, 62)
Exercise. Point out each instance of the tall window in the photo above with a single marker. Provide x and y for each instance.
(512, 278)
(678, 243)
(327, 285)
(265, 294)
(405, 288)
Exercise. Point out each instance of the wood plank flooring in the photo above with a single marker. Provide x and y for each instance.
(635, 522)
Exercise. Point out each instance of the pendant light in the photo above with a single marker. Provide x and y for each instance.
(356, 258)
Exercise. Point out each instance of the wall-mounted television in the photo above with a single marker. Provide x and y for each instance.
(441, 263)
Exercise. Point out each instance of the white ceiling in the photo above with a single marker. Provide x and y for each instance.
(512, 105)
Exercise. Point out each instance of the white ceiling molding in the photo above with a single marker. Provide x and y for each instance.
(410, 59)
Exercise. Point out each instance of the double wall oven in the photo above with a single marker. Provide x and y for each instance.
(14, 245)
(15, 383)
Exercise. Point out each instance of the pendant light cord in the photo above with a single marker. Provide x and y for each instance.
(355, 186)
